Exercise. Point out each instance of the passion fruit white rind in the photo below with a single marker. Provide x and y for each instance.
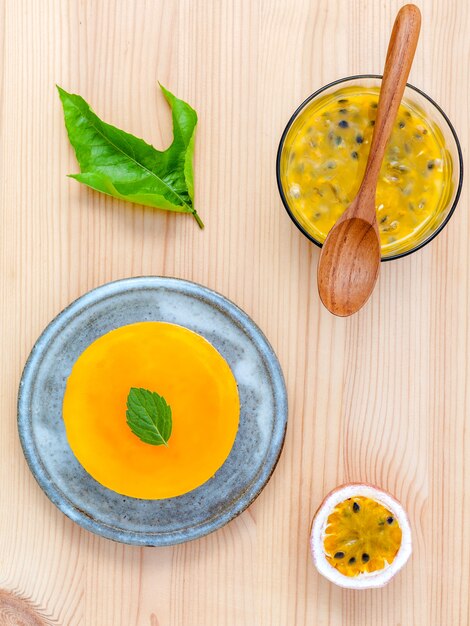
(366, 580)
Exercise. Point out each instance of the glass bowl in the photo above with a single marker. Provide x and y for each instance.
(433, 113)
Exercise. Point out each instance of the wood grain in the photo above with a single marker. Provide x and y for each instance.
(381, 397)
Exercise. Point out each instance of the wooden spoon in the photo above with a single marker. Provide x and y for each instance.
(350, 258)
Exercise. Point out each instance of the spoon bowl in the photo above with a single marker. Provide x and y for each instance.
(355, 246)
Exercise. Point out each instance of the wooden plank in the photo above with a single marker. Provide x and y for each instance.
(380, 397)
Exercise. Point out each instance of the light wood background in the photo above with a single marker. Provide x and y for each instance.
(381, 397)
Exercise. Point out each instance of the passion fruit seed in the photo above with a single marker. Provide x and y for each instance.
(339, 555)
(352, 560)
(356, 507)
(390, 520)
(365, 557)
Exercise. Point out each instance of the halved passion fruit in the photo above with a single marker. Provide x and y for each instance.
(360, 537)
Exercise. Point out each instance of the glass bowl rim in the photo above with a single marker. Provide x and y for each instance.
(359, 77)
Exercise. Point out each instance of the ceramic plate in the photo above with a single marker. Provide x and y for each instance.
(263, 411)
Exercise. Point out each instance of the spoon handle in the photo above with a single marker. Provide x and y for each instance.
(400, 53)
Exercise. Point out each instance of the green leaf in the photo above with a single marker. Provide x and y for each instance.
(149, 416)
(126, 167)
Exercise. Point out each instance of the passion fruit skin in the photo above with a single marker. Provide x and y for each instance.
(368, 580)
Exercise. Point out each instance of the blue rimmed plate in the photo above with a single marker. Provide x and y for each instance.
(263, 411)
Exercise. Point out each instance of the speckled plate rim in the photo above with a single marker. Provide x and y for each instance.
(60, 499)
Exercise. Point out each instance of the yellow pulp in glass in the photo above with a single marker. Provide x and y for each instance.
(188, 372)
(324, 158)
(361, 536)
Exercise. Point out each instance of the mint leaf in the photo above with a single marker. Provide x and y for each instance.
(149, 416)
(126, 167)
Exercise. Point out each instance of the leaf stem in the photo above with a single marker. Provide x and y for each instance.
(200, 223)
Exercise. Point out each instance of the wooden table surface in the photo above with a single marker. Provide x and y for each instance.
(381, 397)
